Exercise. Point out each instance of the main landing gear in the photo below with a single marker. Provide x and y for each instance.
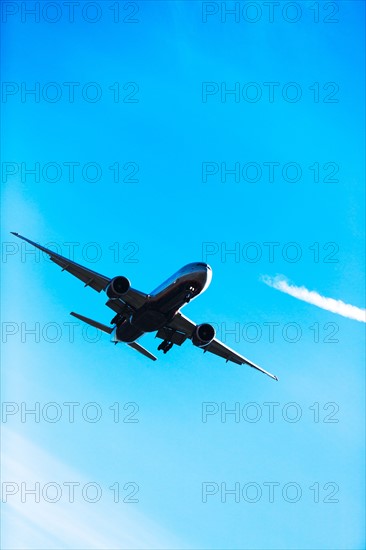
(165, 346)
(117, 319)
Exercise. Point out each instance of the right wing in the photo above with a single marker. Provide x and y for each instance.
(132, 299)
(182, 324)
(229, 354)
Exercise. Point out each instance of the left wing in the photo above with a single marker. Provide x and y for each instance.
(132, 299)
(182, 324)
(89, 277)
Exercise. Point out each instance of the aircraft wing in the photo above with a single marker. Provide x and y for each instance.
(184, 325)
(132, 298)
(89, 277)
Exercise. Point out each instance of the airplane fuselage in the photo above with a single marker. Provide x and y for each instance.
(164, 302)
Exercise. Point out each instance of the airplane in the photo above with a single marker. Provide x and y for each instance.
(137, 313)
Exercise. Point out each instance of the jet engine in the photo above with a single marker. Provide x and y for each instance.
(203, 335)
(118, 287)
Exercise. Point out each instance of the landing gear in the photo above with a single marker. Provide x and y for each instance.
(165, 346)
(117, 319)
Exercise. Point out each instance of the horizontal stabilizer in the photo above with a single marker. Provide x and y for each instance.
(137, 347)
(95, 324)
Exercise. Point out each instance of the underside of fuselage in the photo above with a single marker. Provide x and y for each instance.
(159, 309)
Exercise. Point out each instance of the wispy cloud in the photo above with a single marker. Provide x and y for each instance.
(63, 524)
(312, 297)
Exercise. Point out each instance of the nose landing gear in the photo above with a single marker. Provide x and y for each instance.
(165, 346)
(191, 292)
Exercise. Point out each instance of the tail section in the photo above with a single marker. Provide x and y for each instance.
(137, 347)
(109, 330)
(93, 323)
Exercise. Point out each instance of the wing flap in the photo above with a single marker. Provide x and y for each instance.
(119, 307)
(181, 323)
(133, 299)
(174, 336)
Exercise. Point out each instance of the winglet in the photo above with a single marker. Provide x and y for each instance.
(273, 376)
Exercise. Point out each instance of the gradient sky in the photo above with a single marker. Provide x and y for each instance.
(157, 224)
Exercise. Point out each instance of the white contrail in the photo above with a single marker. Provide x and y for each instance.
(313, 297)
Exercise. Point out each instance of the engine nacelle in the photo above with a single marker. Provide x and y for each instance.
(118, 287)
(203, 335)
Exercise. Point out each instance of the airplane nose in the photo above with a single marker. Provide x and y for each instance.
(208, 275)
(203, 273)
(204, 268)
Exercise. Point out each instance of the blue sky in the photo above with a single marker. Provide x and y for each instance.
(162, 221)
